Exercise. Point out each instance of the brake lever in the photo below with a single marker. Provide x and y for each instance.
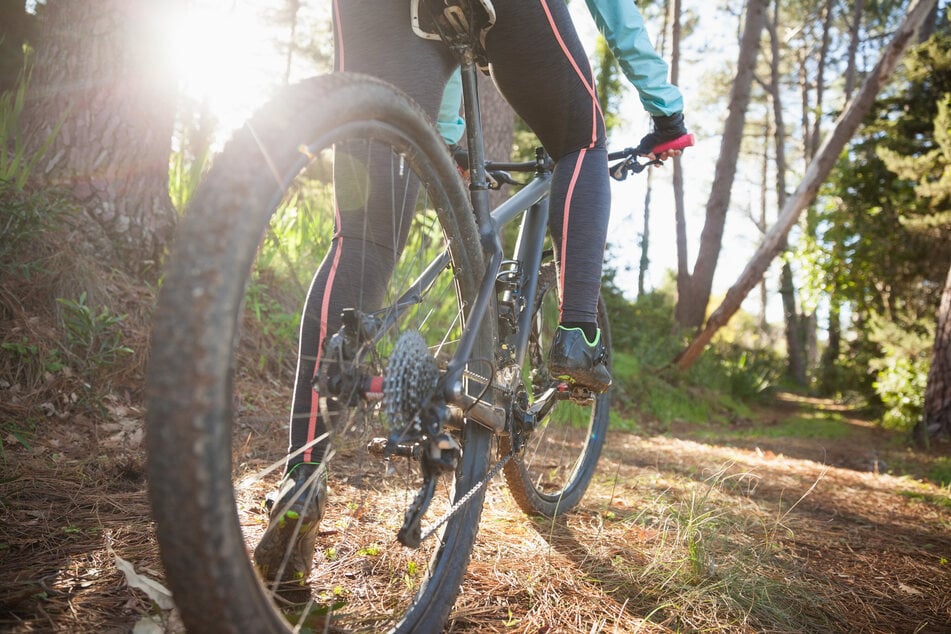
(630, 164)
(620, 170)
(500, 178)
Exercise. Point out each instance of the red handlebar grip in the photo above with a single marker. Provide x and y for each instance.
(677, 144)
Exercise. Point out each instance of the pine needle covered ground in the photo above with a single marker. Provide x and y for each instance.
(786, 522)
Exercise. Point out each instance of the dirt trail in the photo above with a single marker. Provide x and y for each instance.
(731, 529)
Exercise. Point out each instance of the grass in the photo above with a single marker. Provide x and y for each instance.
(685, 553)
(650, 393)
(940, 472)
(819, 426)
(937, 499)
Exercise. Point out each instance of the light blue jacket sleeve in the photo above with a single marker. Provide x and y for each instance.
(623, 27)
(449, 124)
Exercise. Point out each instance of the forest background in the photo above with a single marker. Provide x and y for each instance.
(818, 199)
(843, 298)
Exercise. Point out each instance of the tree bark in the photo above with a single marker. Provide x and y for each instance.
(293, 11)
(498, 130)
(795, 354)
(17, 27)
(809, 323)
(854, 28)
(820, 77)
(762, 223)
(936, 421)
(645, 261)
(101, 88)
(678, 173)
(693, 291)
(846, 125)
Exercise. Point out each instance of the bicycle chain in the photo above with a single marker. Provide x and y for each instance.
(484, 481)
(406, 374)
(465, 498)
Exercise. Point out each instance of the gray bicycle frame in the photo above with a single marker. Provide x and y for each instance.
(531, 202)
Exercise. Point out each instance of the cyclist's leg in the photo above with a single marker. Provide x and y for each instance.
(372, 37)
(540, 66)
(354, 274)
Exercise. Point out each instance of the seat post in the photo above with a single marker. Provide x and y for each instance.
(478, 179)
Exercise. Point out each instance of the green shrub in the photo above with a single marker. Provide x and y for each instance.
(17, 160)
(901, 372)
(27, 215)
(93, 338)
(646, 339)
(742, 372)
(900, 383)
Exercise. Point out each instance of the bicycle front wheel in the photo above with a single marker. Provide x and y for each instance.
(553, 471)
(257, 229)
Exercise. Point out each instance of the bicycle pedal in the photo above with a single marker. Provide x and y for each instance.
(575, 393)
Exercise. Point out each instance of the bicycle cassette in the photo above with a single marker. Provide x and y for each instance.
(408, 386)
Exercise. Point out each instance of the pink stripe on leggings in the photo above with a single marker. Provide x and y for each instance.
(596, 106)
(324, 310)
(564, 227)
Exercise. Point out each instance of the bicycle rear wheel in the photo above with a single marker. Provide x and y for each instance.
(553, 471)
(240, 270)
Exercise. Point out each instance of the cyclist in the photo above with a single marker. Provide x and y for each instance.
(540, 67)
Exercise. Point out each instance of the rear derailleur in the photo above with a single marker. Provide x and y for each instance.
(416, 417)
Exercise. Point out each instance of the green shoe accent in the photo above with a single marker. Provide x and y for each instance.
(578, 361)
(591, 344)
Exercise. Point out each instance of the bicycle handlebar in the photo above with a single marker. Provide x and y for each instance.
(628, 157)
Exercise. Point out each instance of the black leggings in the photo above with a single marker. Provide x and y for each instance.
(540, 67)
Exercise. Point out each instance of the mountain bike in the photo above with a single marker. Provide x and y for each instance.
(428, 397)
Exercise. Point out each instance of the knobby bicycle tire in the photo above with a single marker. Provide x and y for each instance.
(205, 472)
(553, 471)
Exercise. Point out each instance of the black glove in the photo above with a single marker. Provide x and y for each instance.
(665, 129)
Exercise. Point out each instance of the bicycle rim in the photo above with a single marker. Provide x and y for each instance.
(552, 472)
(238, 275)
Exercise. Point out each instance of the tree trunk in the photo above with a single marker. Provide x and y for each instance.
(680, 214)
(100, 87)
(928, 27)
(693, 291)
(820, 77)
(818, 169)
(794, 345)
(829, 380)
(809, 323)
(678, 172)
(854, 28)
(293, 11)
(762, 223)
(795, 354)
(645, 261)
(937, 411)
(17, 27)
(498, 130)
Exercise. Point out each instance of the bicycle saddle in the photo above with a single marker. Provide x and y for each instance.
(457, 22)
